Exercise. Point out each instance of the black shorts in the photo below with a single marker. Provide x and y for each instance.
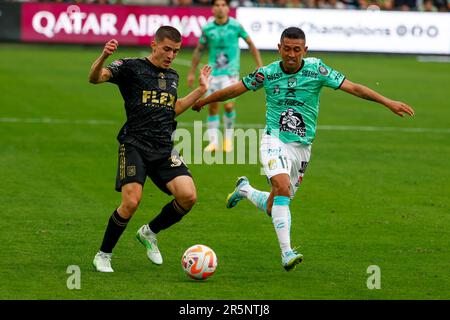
(134, 167)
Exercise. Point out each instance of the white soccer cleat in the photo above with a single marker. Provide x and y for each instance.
(102, 262)
(148, 239)
(290, 259)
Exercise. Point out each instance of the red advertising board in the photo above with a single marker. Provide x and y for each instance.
(130, 25)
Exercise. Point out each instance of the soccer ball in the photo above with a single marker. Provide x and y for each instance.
(199, 262)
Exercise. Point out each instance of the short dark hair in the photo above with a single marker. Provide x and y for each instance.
(293, 33)
(168, 32)
(213, 2)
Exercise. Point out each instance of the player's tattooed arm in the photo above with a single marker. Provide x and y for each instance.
(221, 95)
(184, 103)
(98, 73)
(356, 89)
(196, 56)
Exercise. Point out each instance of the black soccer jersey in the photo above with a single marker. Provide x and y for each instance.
(150, 94)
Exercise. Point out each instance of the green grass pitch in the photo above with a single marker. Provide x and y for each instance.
(370, 197)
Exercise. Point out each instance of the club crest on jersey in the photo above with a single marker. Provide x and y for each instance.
(292, 82)
(131, 171)
(162, 84)
(291, 121)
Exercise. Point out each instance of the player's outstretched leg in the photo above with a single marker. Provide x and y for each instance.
(245, 190)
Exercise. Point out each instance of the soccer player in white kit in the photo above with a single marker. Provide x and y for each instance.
(292, 87)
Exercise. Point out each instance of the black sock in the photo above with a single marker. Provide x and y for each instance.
(116, 225)
(170, 214)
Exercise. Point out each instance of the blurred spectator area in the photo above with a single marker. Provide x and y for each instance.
(398, 5)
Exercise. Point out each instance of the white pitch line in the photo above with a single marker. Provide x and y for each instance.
(337, 128)
(55, 121)
(441, 59)
(378, 129)
(238, 126)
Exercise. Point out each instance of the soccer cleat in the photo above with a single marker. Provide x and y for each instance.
(102, 262)
(210, 147)
(227, 145)
(234, 197)
(148, 239)
(290, 259)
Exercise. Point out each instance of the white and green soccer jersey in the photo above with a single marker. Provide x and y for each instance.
(292, 100)
(223, 45)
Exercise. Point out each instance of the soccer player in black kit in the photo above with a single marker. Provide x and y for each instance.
(149, 89)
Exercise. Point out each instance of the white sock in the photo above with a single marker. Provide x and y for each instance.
(229, 134)
(281, 219)
(213, 128)
(228, 122)
(258, 198)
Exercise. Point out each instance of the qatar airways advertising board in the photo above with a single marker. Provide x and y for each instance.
(326, 30)
(88, 24)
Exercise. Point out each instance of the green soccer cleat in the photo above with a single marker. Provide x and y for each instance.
(290, 259)
(234, 197)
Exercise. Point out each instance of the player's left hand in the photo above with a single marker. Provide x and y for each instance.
(205, 72)
(400, 108)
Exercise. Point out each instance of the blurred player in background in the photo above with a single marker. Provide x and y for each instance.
(292, 87)
(221, 38)
(149, 89)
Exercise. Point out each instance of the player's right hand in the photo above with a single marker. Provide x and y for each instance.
(190, 79)
(110, 47)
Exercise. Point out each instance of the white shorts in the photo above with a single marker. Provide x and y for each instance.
(290, 158)
(220, 82)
